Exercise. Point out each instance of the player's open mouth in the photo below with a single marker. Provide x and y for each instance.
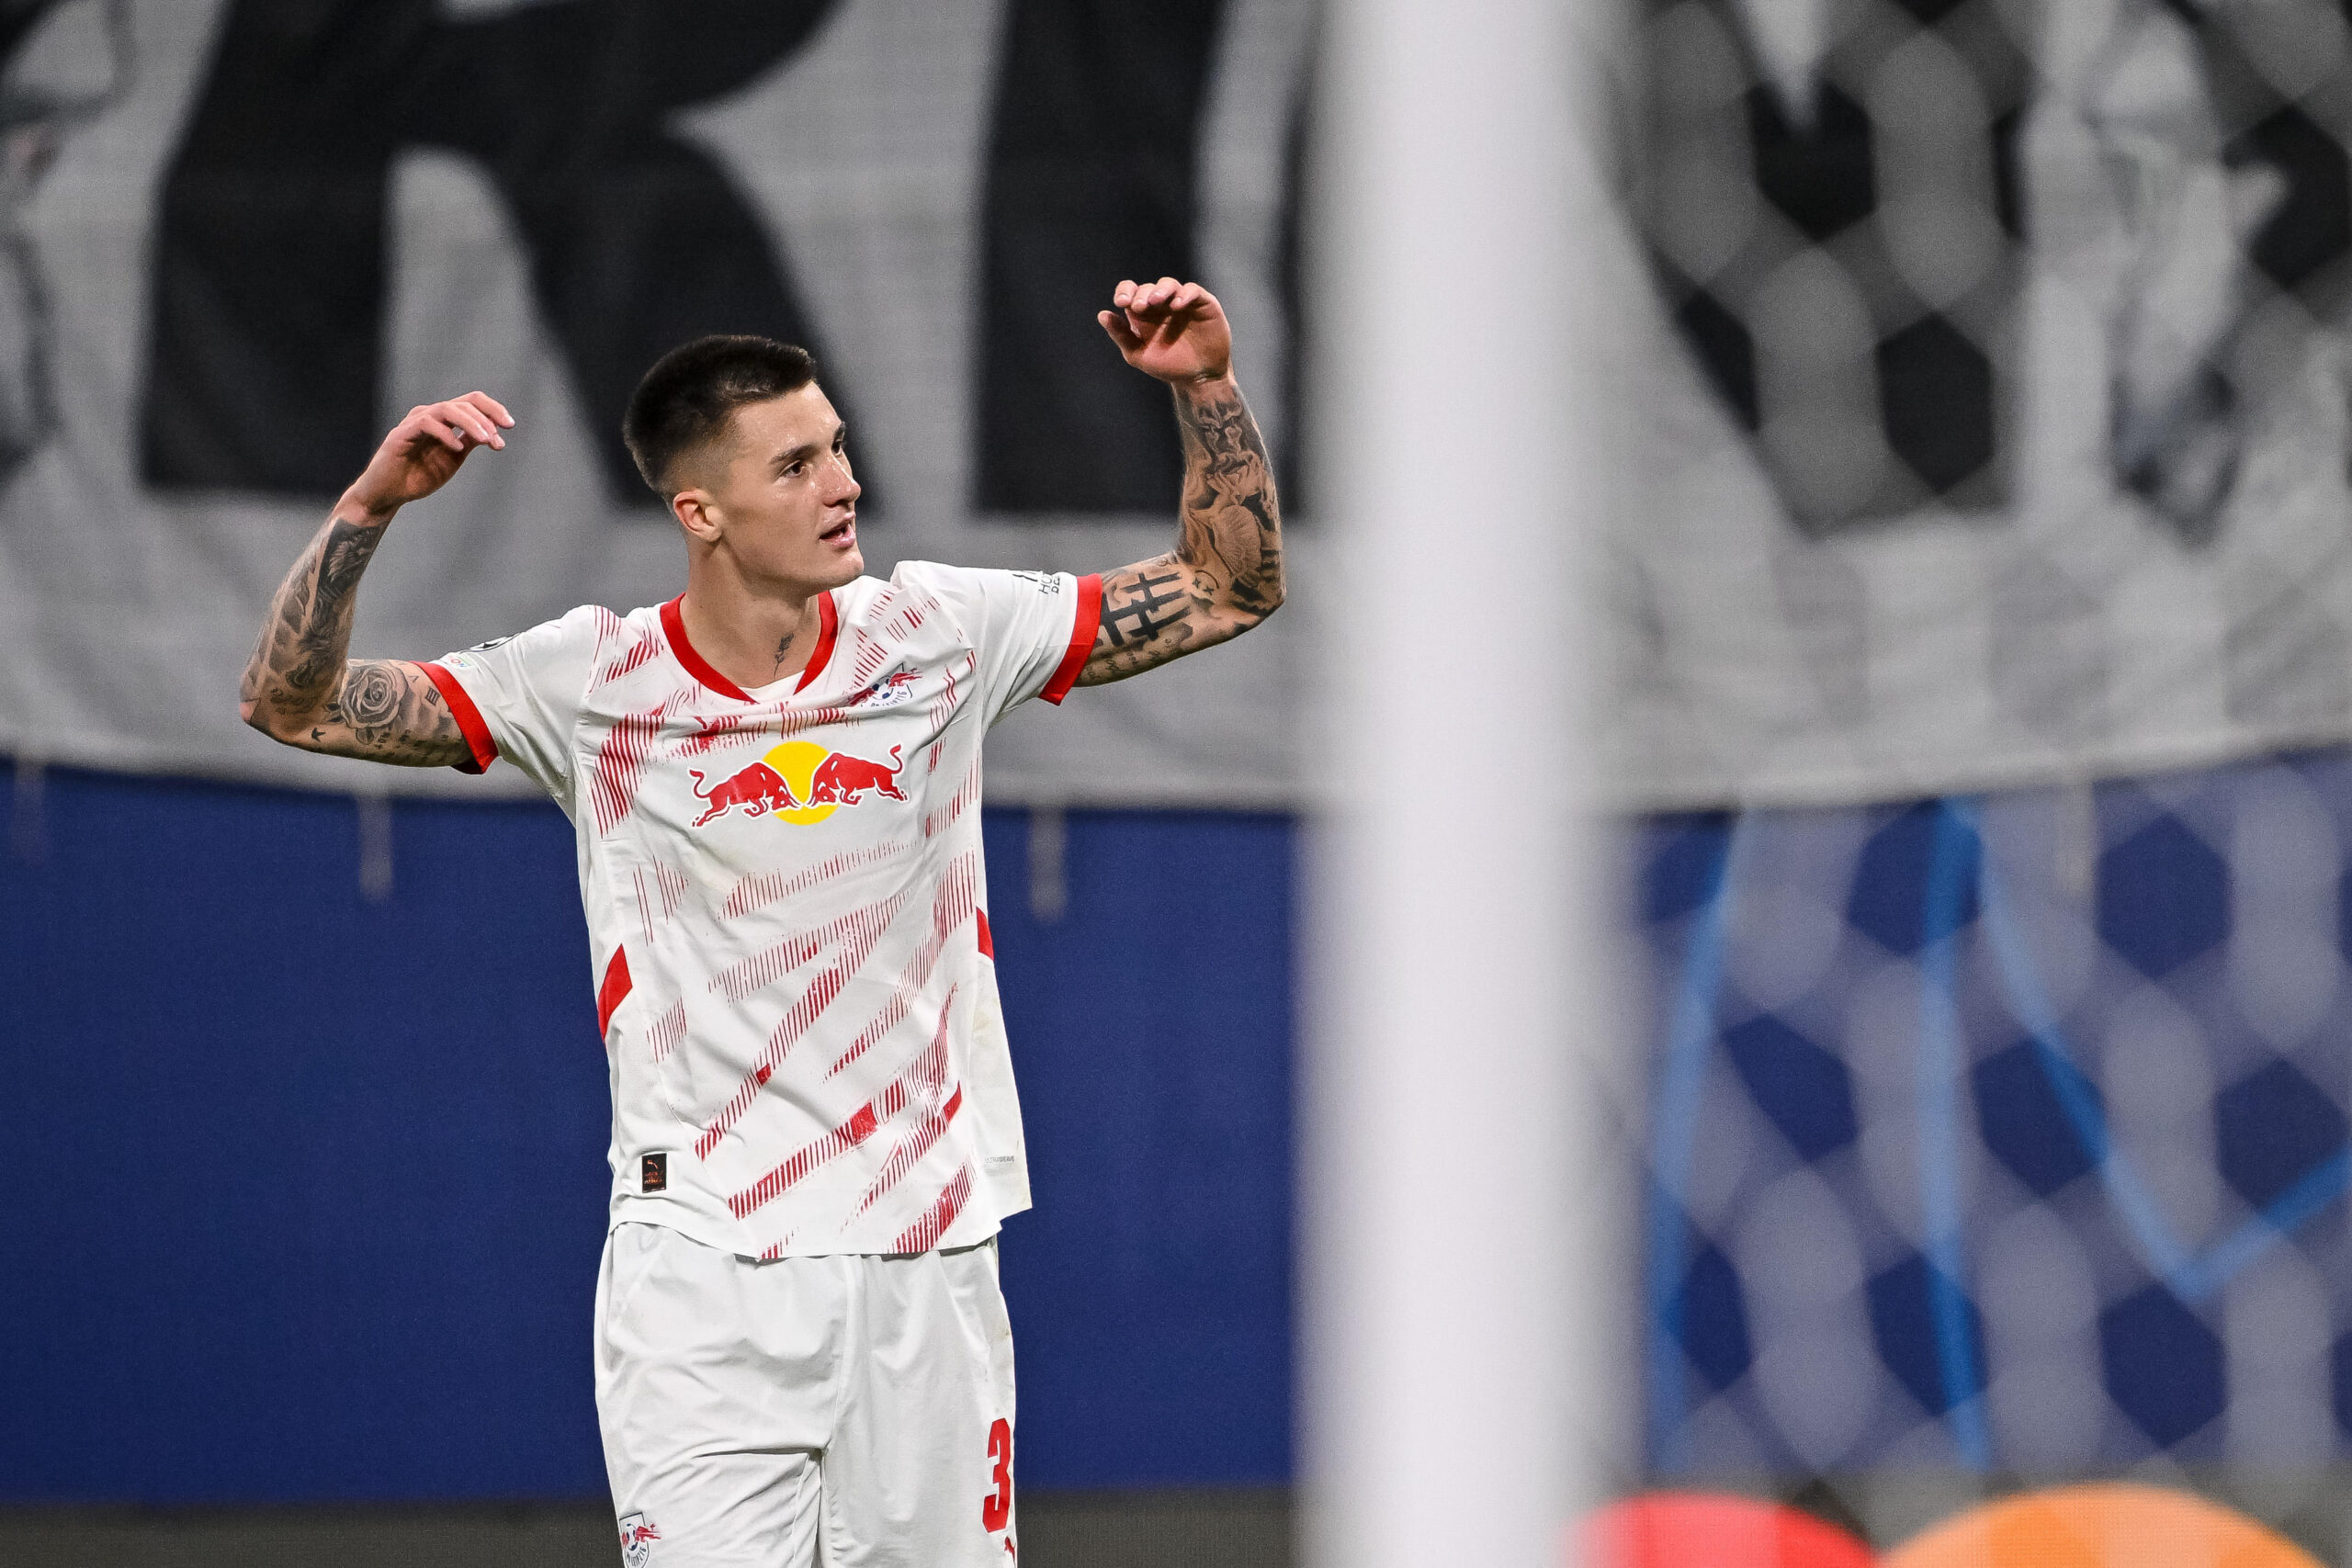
(843, 533)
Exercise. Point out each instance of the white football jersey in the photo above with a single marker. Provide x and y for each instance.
(787, 903)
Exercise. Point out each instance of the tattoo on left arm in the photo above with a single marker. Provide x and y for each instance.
(301, 689)
(1226, 572)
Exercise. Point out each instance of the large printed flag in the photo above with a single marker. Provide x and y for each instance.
(238, 238)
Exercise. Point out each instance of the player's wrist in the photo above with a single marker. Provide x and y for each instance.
(1205, 386)
(364, 507)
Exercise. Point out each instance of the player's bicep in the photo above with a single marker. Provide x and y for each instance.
(389, 710)
(1152, 611)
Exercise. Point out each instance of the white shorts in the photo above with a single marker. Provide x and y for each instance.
(846, 1411)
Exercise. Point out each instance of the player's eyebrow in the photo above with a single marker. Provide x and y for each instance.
(808, 449)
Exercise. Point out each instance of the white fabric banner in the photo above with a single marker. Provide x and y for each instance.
(1995, 359)
(204, 303)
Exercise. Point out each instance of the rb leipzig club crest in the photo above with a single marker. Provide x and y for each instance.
(638, 1536)
(798, 781)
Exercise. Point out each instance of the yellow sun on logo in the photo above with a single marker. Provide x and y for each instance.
(797, 762)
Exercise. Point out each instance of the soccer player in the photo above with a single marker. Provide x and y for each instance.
(775, 782)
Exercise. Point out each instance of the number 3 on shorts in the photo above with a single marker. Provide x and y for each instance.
(996, 1509)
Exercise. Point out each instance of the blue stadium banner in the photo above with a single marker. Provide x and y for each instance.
(2003, 1140)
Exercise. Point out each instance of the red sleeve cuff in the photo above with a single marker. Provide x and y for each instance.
(469, 724)
(1081, 639)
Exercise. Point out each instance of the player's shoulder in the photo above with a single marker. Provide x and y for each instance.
(970, 586)
(969, 579)
(961, 600)
(931, 577)
(581, 633)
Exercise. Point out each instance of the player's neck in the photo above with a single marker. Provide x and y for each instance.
(753, 633)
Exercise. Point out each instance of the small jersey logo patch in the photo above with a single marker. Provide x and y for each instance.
(638, 1536)
(897, 687)
(653, 1173)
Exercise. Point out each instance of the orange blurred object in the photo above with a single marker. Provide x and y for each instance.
(2107, 1526)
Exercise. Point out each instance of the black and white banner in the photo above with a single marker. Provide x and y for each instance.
(1997, 377)
(1988, 356)
(239, 237)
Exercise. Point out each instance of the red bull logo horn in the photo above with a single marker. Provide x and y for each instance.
(798, 781)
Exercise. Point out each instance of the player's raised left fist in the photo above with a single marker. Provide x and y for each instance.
(423, 451)
(1171, 330)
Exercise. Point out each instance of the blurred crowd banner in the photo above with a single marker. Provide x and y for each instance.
(1986, 359)
(1996, 385)
(2005, 1139)
(238, 238)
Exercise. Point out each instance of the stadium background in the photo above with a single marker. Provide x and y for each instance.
(1977, 640)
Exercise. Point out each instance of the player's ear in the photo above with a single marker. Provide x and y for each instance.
(694, 509)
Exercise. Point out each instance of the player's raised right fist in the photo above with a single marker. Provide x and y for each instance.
(424, 450)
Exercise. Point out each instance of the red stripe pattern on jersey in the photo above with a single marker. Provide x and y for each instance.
(929, 1079)
(928, 1131)
(627, 664)
(908, 620)
(943, 706)
(967, 792)
(669, 886)
(709, 732)
(925, 1234)
(958, 896)
(620, 760)
(840, 1141)
(871, 655)
(757, 892)
(664, 1033)
(812, 1003)
(920, 1084)
(768, 966)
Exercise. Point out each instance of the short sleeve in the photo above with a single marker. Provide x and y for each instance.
(1030, 630)
(518, 697)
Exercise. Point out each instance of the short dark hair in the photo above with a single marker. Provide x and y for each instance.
(692, 392)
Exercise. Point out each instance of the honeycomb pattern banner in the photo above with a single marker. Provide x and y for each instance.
(1994, 356)
(2003, 1135)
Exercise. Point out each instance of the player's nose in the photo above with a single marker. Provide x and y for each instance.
(842, 487)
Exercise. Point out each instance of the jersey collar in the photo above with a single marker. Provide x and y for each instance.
(673, 627)
(828, 624)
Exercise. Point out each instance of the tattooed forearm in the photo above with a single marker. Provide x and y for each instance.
(300, 687)
(299, 661)
(314, 634)
(1226, 573)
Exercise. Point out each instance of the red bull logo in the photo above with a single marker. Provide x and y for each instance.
(798, 781)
